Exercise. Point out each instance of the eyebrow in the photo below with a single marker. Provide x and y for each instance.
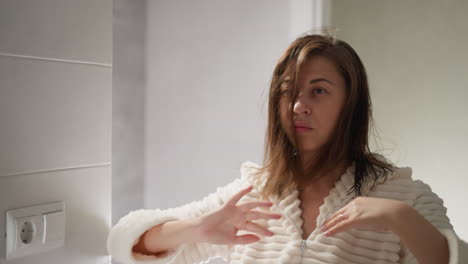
(321, 80)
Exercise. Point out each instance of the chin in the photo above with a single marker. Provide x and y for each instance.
(310, 147)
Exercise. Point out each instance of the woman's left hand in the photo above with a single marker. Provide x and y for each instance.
(367, 213)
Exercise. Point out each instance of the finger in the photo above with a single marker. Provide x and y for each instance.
(245, 239)
(254, 215)
(334, 220)
(332, 217)
(250, 205)
(238, 196)
(256, 228)
(339, 227)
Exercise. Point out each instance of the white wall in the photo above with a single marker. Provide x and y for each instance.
(128, 106)
(55, 114)
(208, 69)
(416, 58)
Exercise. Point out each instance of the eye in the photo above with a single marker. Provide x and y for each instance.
(285, 91)
(319, 91)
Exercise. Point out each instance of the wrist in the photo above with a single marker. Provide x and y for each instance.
(402, 211)
(171, 234)
(195, 227)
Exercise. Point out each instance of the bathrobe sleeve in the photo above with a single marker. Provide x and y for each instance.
(125, 234)
(431, 206)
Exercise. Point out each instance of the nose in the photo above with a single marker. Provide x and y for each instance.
(300, 107)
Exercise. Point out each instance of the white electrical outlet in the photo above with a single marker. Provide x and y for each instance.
(29, 231)
(34, 229)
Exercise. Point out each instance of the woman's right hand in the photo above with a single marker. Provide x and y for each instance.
(220, 226)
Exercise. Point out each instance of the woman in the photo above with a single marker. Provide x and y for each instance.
(321, 195)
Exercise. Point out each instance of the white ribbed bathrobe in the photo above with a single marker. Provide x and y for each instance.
(287, 245)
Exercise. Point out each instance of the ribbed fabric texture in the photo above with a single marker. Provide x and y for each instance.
(287, 246)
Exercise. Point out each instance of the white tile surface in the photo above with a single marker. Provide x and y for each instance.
(53, 115)
(87, 197)
(74, 30)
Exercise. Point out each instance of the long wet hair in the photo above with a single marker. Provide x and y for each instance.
(348, 145)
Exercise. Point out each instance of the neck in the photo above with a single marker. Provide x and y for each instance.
(307, 158)
(322, 184)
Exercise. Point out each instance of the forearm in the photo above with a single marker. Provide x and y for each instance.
(426, 243)
(167, 235)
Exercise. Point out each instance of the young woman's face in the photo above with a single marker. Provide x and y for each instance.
(315, 113)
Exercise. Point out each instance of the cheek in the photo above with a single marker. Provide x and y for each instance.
(330, 117)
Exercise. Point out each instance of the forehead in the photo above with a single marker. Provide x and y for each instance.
(321, 70)
(316, 67)
(320, 66)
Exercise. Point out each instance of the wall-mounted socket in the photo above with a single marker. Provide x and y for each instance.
(34, 229)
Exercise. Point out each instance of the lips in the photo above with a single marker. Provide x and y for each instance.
(301, 125)
(302, 129)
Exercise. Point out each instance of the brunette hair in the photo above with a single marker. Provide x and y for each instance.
(348, 144)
